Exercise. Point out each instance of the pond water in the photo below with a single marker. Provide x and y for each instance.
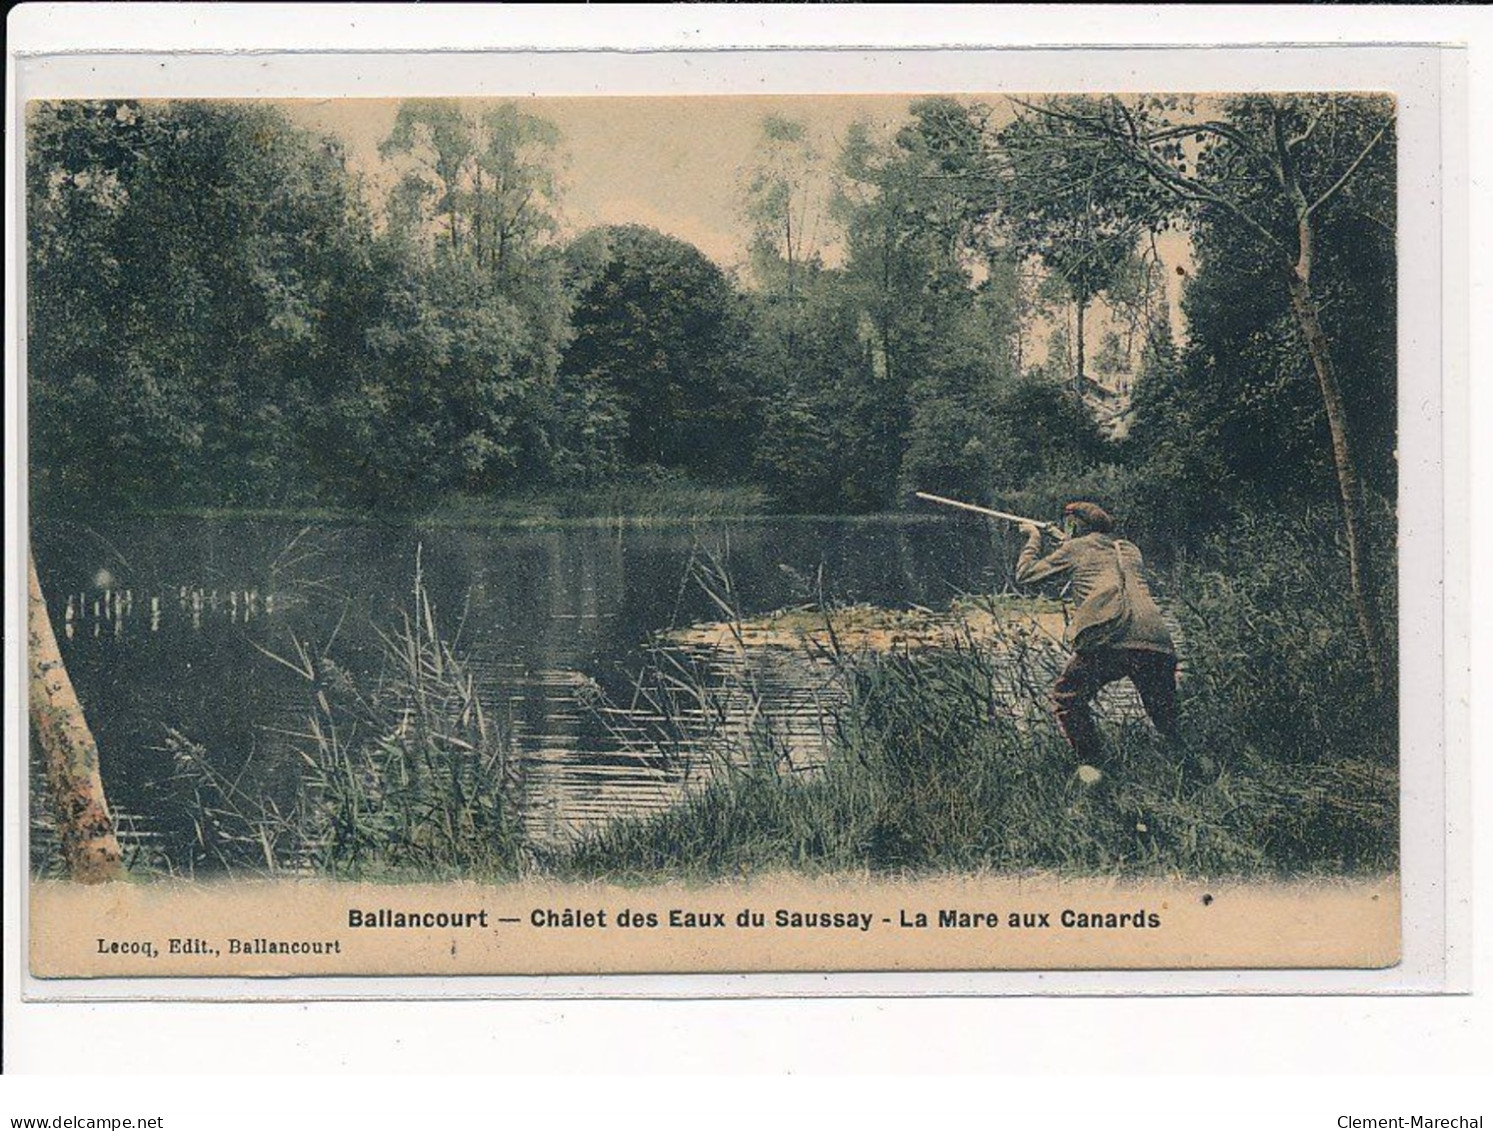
(166, 626)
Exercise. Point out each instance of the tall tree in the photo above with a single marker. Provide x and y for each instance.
(910, 248)
(1267, 166)
(185, 261)
(85, 830)
(437, 138)
(481, 186)
(806, 351)
(941, 296)
(787, 204)
(656, 336)
(514, 189)
(466, 345)
(1066, 206)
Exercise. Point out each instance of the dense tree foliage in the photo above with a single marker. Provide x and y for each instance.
(220, 312)
(1266, 174)
(1235, 418)
(1246, 391)
(1059, 202)
(653, 361)
(185, 264)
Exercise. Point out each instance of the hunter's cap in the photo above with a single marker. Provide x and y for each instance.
(1091, 515)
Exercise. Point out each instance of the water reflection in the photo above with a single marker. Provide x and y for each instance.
(556, 625)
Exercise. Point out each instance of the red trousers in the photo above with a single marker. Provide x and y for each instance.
(1153, 673)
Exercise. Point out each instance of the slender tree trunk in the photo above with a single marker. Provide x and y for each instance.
(478, 204)
(792, 292)
(1361, 571)
(1081, 300)
(84, 827)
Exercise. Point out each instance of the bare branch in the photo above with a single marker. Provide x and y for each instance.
(1348, 172)
(1088, 121)
(1311, 127)
(1285, 169)
(1190, 189)
(1216, 128)
(1178, 183)
(1377, 221)
(1212, 126)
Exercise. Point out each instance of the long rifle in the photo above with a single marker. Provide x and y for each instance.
(1051, 527)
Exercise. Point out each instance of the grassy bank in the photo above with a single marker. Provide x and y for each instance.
(947, 759)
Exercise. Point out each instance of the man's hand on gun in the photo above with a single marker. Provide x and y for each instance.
(1033, 532)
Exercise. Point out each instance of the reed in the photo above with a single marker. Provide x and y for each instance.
(409, 776)
(947, 759)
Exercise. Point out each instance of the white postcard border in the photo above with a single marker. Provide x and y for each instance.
(1425, 82)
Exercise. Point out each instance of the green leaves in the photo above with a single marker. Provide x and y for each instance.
(653, 367)
(181, 257)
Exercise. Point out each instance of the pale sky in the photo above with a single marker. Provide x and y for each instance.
(675, 164)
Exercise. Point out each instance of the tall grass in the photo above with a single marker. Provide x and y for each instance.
(947, 759)
(940, 759)
(410, 776)
(701, 720)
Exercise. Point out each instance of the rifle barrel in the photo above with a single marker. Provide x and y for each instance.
(982, 510)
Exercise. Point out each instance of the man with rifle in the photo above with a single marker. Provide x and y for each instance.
(1117, 630)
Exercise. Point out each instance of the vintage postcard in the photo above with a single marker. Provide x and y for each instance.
(708, 534)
